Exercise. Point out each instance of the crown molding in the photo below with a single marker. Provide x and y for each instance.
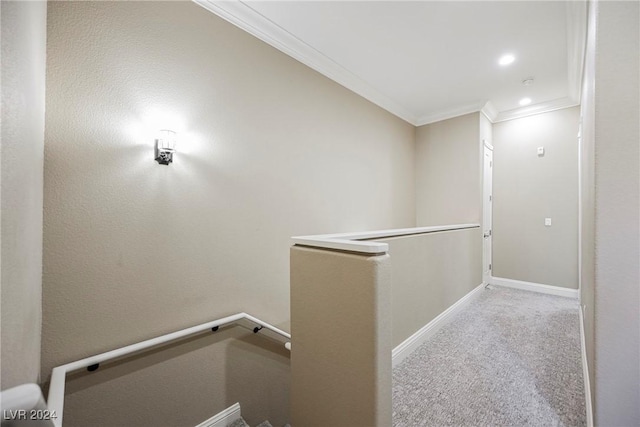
(543, 107)
(244, 17)
(450, 113)
(485, 108)
(489, 111)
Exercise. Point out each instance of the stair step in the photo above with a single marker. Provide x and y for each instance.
(240, 422)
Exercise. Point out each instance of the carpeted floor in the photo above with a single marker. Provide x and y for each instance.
(511, 358)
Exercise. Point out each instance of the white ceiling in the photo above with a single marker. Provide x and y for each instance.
(426, 61)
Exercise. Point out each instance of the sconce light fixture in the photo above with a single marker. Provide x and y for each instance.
(165, 146)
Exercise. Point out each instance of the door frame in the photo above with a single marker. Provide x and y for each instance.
(487, 206)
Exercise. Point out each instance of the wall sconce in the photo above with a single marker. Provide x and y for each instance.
(165, 146)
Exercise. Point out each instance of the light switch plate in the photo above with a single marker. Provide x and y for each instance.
(540, 151)
(547, 222)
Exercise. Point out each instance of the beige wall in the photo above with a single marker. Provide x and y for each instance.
(430, 272)
(617, 213)
(341, 339)
(528, 188)
(23, 101)
(448, 178)
(132, 249)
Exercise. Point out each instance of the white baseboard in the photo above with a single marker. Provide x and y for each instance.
(534, 287)
(585, 370)
(409, 345)
(224, 418)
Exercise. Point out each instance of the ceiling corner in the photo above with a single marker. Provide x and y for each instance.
(489, 111)
(450, 113)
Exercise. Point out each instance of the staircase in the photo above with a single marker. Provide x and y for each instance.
(240, 422)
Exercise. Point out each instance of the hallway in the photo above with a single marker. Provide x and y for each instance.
(456, 144)
(511, 358)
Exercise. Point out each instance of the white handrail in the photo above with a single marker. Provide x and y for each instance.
(361, 241)
(59, 373)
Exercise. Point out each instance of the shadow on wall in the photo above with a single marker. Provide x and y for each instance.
(178, 384)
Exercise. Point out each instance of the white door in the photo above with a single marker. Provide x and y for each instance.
(487, 202)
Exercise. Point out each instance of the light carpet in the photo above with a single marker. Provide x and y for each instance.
(511, 358)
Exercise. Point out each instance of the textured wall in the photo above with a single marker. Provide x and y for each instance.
(448, 179)
(617, 237)
(449, 266)
(341, 339)
(132, 249)
(528, 188)
(23, 101)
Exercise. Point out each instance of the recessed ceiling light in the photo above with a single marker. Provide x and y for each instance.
(506, 59)
(525, 101)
